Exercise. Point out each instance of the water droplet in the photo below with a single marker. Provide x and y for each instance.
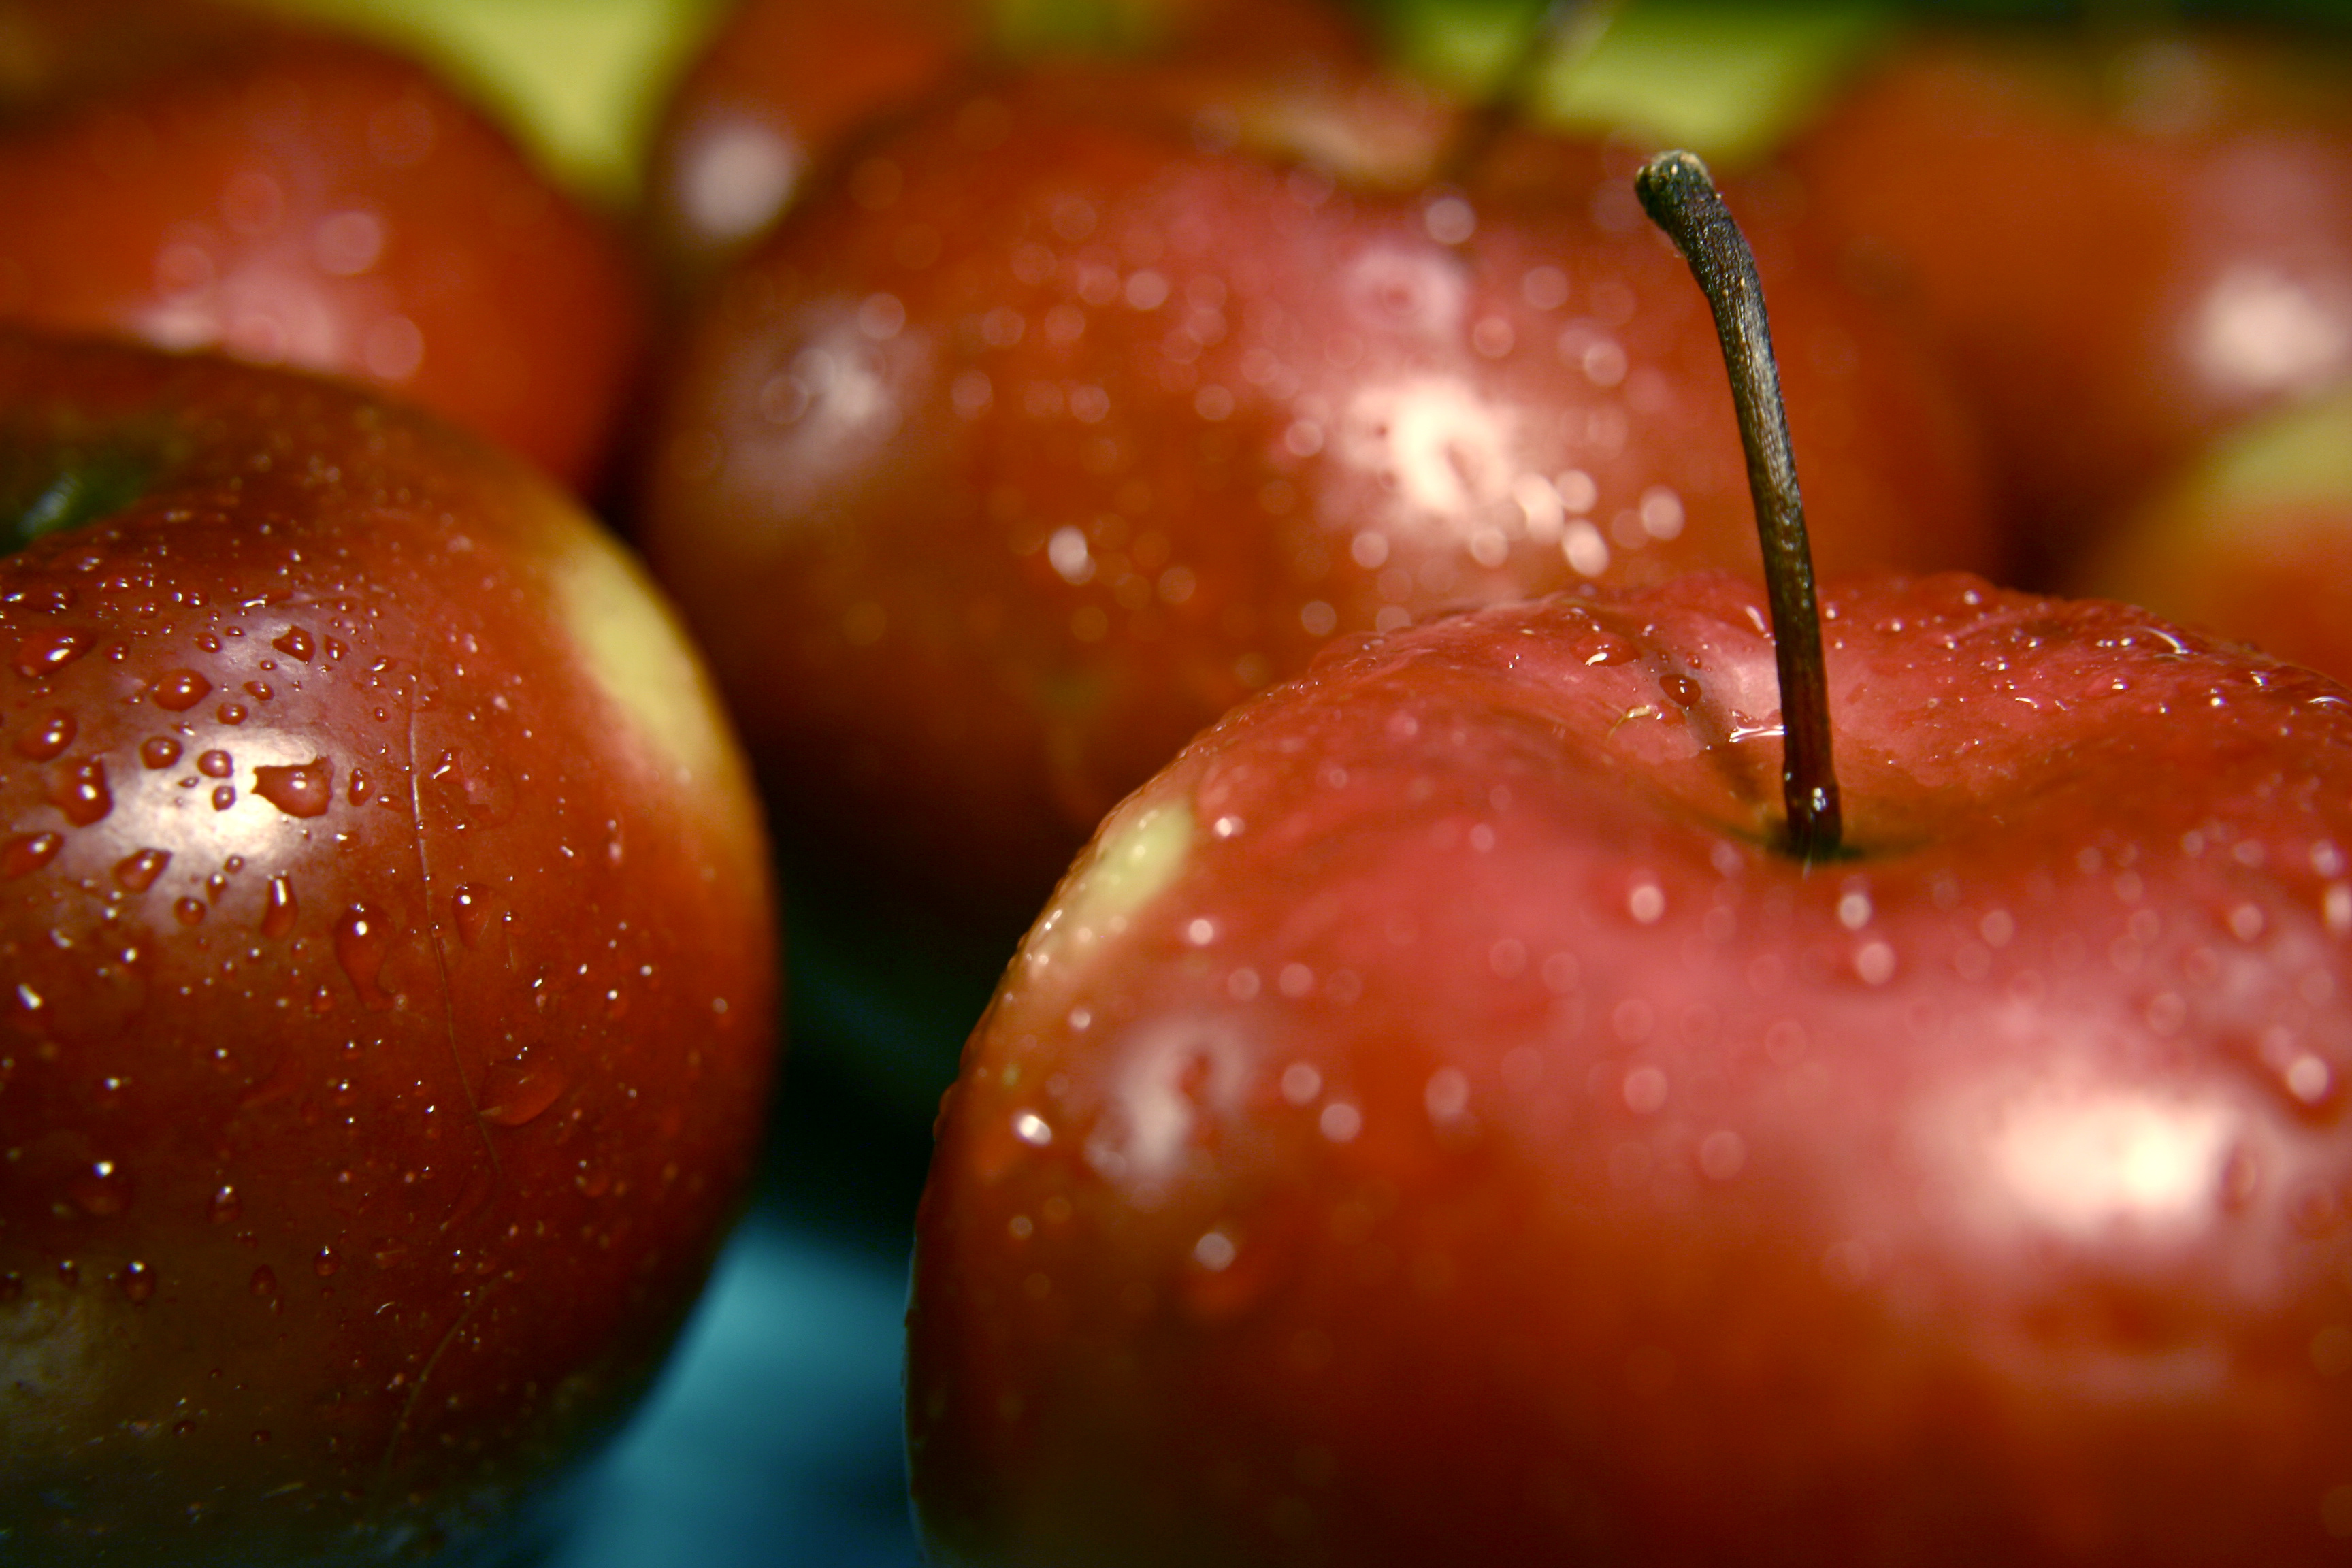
(216, 764)
(177, 690)
(297, 789)
(471, 908)
(362, 941)
(48, 738)
(358, 788)
(226, 1206)
(137, 872)
(1604, 648)
(264, 1281)
(230, 713)
(513, 1094)
(278, 916)
(28, 852)
(138, 1281)
(159, 752)
(12, 1286)
(326, 1263)
(223, 796)
(294, 644)
(103, 1188)
(78, 789)
(48, 652)
(189, 911)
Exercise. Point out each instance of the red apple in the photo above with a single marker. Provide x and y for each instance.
(388, 963)
(1051, 433)
(1440, 1119)
(2254, 539)
(302, 199)
(784, 86)
(2126, 246)
(1433, 1123)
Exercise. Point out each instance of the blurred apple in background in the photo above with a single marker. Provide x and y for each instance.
(1079, 406)
(391, 973)
(2129, 240)
(296, 198)
(2254, 539)
(785, 85)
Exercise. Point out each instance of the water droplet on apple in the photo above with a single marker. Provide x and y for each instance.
(178, 691)
(48, 652)
(325, 1264)
(12, 1287)
(513, 1094)
(189, 911)
(137, 1281)
(278, 914)
(263, 1282)
(297, 789)
(80, 792)
(471, 908)
(362, 941)
(103, 1189)
(294, 644)
(216, 764)
(1602, 648)
(136, 872)
(158, 751)
(48, 738)
(226, 1207)
(28, 852)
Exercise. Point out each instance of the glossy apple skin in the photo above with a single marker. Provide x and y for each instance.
(297, 198)
(785, 86)
(1433, 1124)
(390, 956)
(1044, 438)
(2125, 249)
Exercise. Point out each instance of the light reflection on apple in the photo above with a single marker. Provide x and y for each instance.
(2082, 1160)
(2259, 330)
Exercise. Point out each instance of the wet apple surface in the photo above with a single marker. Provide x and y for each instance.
(230, 181)
(1047, 435)
(1435, 1122)
(389, 969)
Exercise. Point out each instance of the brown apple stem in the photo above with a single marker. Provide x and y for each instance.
(1680, 198)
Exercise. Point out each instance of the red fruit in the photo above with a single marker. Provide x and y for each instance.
(1435, 1123)
(1049, 434)
(2125, 249)
(2253, 538)
(389, 973)
(299, 199)
(786, 85)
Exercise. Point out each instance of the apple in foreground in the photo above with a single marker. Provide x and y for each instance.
(389, 972)
(229, 180)
(1440, 1118)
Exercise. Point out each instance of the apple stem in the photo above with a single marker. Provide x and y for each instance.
(1561, 29)
(1681, 198)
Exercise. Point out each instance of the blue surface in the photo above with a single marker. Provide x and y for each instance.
(774, 1437)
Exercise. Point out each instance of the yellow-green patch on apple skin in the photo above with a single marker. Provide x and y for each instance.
(2253, 541)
